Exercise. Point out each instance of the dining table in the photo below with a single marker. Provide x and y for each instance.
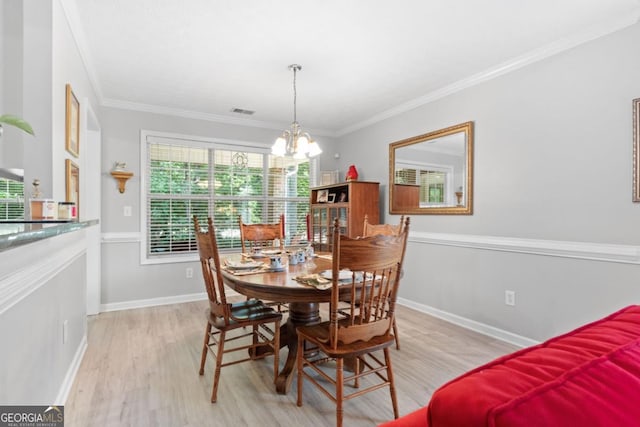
(303, 299)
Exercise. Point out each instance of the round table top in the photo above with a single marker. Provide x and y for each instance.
(280, 286)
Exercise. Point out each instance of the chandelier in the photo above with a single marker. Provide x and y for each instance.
(294, 141)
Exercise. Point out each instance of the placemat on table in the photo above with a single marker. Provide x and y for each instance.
(315, 280)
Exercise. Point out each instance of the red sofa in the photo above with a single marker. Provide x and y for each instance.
(587, 377)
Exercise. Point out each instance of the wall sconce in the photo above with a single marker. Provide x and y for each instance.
(121, 175)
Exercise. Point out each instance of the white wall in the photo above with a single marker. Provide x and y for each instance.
(37, 359)
(553, 162)
(43, 57)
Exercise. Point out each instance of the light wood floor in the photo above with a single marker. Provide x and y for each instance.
(141, 369)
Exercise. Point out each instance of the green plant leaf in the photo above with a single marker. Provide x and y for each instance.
(17, 122)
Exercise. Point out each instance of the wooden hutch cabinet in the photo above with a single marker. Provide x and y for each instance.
(350, 202)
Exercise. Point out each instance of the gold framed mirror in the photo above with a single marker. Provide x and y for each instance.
(432, 174)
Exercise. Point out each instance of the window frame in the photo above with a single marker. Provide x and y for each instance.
(19, 201)
(149, 136)
(420, 167)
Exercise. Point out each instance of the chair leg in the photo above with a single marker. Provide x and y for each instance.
(205, 347)
(300, 364)
(254, 342)
(216, 376)
(395, 334)
(276, 351)
(339, 390)
(356, 381)
(392, 387)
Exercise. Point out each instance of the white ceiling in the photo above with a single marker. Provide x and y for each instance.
(362, 60)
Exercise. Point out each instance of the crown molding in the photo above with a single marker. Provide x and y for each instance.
(596, 31)
(514, 64)
(176, 112)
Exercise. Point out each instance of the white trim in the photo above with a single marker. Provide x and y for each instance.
(19, 284)
(501, 69)
(482, 328)
(536, 55)
(626, 254)
(132, 237)
(152, 302)
(67, 383)
(210, 117)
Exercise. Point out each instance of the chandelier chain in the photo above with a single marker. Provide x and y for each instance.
(295, 94)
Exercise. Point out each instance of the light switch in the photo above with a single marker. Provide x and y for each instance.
(127, 211)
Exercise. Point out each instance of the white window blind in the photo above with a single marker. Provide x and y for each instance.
(186, 179)
(11, 199)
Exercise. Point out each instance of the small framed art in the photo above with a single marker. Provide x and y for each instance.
(328, 177)
(72, 174)
(332, 198)
(72, 125)
(323, 196)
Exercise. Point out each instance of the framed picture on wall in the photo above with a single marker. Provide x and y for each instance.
(72, 125)
(72, 175)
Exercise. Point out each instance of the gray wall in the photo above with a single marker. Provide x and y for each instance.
(553, 162)
(130, 283)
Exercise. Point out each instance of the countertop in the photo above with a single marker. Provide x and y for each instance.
(14, 234)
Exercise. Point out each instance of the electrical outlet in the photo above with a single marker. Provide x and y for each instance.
(510, 297)
(189, 272)
(65, 331)
(127, 211)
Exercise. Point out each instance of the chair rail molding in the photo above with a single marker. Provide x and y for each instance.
(626, 254)
(34, 264)
(122, 237)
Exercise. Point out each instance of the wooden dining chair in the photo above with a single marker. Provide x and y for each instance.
(372, 289)
(261, 235)
(228, 322)
(385, 230)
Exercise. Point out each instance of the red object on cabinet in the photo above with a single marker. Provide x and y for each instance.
(352, 173)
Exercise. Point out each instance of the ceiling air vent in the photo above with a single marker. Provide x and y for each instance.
(242, 111)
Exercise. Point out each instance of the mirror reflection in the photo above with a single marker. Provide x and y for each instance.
(433, 173)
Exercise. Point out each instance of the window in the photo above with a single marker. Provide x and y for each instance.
(187, 177)
(11, 199)
(436, 188)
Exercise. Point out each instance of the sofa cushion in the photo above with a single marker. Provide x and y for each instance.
(590, 372)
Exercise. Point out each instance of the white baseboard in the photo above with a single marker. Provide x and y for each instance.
(67, 383)
(490, 331)
(449, 317)
(141, 303)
